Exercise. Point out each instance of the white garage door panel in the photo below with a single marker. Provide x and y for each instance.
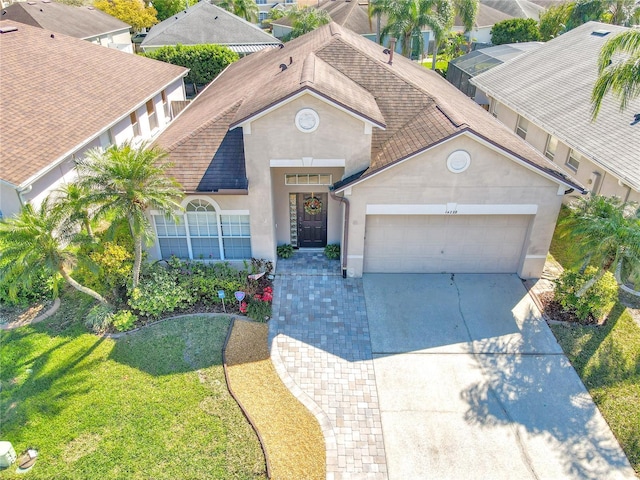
(439, 243)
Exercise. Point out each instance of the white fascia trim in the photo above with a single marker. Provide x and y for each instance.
(536, 256)
(306, 162)
(307, 91)
(473, 136)
(78, 147)
(452, 209)
(98, 35)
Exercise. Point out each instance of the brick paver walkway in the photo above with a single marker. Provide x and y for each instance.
(321, 349)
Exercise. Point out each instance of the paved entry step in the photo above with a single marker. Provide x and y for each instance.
(308, 262)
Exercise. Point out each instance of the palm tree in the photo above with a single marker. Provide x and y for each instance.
(621, 77)
(35, 240)
(71, 202)
(127, 182)
(607, 233)
(307, 19)
(247, 9)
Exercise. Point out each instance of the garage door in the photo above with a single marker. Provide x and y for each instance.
(443, 243)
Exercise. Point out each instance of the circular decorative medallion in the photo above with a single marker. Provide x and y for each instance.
(307, 120)
(313, 205)
(458, 161)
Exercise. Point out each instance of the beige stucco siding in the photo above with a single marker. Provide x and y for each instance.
(339, 137)
(281, 202)
(491, 179)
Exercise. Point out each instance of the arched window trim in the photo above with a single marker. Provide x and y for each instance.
(219, 214)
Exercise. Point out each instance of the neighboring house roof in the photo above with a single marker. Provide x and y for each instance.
(486, 17)
(204, 23)
(410, 108)
(353, 15)
(551, 86)
(515, 8)
(58, 92)
(79, 22)
(478, 61)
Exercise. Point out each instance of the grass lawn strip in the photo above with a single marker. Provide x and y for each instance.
(607, 359)
(151, 405)
(291, 434)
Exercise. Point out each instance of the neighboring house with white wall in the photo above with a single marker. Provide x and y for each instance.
(344, 146)
(61, 96)
(545, 97)
(86, 22)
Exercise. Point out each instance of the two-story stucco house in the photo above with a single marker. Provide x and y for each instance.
(60, 96)
(85, 22)
(545, 97)
(348, 145)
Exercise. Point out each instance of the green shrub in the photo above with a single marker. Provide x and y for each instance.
(258, 310)
(99, 318)
(332, 252)
(597, 300)
(115, 262)
(14, 293)
(204, 62)
(123, 320)
(160, 292)
(285, 251)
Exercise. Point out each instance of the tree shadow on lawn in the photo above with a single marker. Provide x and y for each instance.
(545, 402)
(178, 345)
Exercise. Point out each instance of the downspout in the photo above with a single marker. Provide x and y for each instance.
(345, 235)
(21, 192)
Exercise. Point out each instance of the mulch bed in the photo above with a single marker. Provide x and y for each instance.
(291, 435)
(554, 311)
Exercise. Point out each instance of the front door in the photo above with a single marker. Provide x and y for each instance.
(312, 219)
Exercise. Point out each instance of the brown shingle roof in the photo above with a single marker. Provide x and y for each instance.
(419, 108)
(79, 22)
(58, 92)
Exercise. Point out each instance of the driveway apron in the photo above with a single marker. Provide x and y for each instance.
(473, 385)
(320, 346)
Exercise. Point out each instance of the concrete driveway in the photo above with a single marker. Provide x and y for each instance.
(472, 385)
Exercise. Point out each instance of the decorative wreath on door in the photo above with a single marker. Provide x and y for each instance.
(312, 205)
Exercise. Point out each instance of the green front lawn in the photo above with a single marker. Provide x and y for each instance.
(153, 404)
(607, 359)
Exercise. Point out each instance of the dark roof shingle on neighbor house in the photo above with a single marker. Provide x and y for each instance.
(58, 92)
(415, 107)
(551, 86)
(205, 23)
(79, 22)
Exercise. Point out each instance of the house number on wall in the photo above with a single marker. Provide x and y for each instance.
(451, 209)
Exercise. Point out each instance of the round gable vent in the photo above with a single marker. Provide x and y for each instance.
(458, 161)
(307, 120)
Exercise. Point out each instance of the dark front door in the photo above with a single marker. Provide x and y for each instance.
(312, 220)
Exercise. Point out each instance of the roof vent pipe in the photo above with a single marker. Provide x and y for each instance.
(283, 67)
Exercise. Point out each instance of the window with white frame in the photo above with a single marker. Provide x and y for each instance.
(151, 112)
(134, 124)
(550, 148)
(522, 127)
(493, 107)
(262, 16)
(202, 234)
(165, 106)
(573, 160)
(307, 179)
(261, 2)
